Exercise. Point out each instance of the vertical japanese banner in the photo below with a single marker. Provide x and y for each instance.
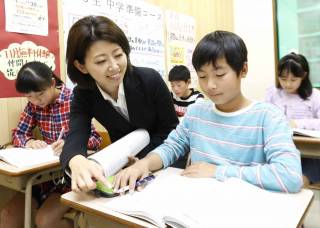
(29, 32)
(141, 22)
(180, 41)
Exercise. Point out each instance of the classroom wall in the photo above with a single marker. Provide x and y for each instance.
(209, 15)
(256, 29)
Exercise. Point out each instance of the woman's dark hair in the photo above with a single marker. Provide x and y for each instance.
(217, 45)
(82, 35)
(179, 73)
(298, 65)
(35, 77)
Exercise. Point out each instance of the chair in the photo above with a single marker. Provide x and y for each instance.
(105, 139)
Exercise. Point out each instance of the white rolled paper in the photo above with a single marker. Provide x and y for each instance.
(115, 156)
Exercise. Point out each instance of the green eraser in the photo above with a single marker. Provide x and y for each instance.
(101, 187)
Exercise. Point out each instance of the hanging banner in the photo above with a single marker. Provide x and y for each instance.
(141, 22)
(24, 43)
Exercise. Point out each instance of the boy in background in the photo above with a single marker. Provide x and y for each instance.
(182, 95)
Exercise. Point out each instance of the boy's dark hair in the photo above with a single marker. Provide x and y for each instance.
(82, 35)
(298, 65)
(179, 73)
(35, 77)
(220, 44)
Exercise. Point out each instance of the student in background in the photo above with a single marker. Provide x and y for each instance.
(110, 89)
(228, 135)
(300, 102)
(48, 108)
(182, 95)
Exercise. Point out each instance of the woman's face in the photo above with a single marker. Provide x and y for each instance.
(106, 62)
(289, 82)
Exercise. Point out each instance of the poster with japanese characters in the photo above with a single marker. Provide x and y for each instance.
(141, 22)
(180, 36)
(21, 41)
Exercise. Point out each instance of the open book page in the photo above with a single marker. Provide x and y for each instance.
(205, 202)
(115, 156)
(304, 132)
(22, 157)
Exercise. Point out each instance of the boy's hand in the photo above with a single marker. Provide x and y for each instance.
(200, 169)
(36, 144)
(85, 173)
(57, 147)
(130, 175)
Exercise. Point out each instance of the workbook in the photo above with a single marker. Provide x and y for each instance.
(23, 157)
(304, 132)
(178, 201)
(115, 156)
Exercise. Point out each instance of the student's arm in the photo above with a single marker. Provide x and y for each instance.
(175, 146)
(23, 133)
(311, 123)
(282, 168)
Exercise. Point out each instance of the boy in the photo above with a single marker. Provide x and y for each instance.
(182, 95)
(230, 135)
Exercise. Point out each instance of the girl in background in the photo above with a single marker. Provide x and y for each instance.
(48, 108)
(300, 102)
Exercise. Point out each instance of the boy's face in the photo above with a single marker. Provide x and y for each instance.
(180, 88)
(222, 85)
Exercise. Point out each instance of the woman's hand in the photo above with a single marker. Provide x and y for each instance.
(85, 173)
(57, 147)
(200, 169)
(36, 144)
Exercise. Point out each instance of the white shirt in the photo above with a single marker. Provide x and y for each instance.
(120, 105)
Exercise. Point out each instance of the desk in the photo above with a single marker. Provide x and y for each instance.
(308, 146)
(22, 179)
(258, 216)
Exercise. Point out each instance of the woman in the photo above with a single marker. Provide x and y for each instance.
(120, 96)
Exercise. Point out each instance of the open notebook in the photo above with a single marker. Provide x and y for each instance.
(22, 157)
(205, 202)
(304, 132)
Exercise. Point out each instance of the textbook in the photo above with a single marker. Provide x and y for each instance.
(304, 132)
(115, 156)
(177, 201)
(23, 157)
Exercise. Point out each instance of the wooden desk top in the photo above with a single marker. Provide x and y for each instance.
(304, 139)
(10, 170)
(90, 204)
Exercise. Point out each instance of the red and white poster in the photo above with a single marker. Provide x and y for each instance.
(17, 48)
